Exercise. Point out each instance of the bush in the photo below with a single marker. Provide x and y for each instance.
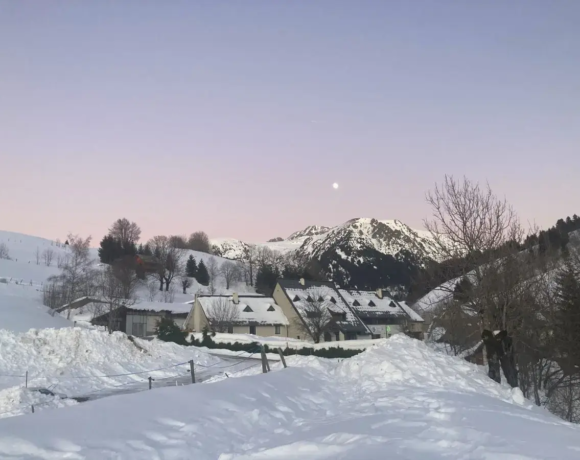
(168, 331)
(332, 352)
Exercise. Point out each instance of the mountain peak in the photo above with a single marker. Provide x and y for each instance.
(311, 230)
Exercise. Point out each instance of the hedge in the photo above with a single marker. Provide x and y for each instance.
(331, 352)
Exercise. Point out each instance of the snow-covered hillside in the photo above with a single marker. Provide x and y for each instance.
(397, 400)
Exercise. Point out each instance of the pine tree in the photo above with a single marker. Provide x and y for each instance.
(202, 275)
(266, 279)
(110, 250)
(567, 327)
(191, 267)
(140, 249)
(147, 250)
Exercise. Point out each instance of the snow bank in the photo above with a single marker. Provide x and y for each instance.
(396, 400)
(76, 361)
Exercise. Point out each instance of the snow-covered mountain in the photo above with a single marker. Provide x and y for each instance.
(364, 253)
(311, 230)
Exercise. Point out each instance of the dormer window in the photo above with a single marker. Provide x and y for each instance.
(371, 304)
(296, 299)
(271, 308)
(333, 300)
(356, 303)
(320, 299)
(309, 299)
(248, 309)
(392, 304)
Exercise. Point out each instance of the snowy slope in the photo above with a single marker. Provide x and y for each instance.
(21, 309)
(398, 400)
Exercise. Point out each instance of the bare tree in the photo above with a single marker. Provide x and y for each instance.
(4, 251)
(169, 294)
(152, 287)
(113, 294)
(170, 260)
(230, 272)
(315, 316)
(185, 282)
(213, 272)
(125, 231)
(77, 278)
(47, 257)
(222, 314)
(199, 241)
(37, 255)
(124, 271)
(178, 241)
(474, 228)
(248, 261)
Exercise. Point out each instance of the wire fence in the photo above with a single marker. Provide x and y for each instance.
(111, 388)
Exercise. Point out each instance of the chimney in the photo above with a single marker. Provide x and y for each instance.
(380, 293)
(235, 298)
(302, 282)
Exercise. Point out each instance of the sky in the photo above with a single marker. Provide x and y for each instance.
(237, 117)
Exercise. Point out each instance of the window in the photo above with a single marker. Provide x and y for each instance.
(271, 308)
(327, 337)
(333, 300)
(277, 330)
(309, 299)
(296, 299)
(248, 309)
(371, 303)
(320, 299)
(337, 336)
(253, 330)
(230, 329)
(356, 304)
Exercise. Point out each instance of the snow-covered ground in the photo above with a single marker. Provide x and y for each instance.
(78, 362)
(397, 400)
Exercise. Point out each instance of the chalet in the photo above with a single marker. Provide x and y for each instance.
(237, 314)
(296, 298)
(383, 315)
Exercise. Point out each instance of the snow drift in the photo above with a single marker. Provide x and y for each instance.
(77, 361)
(396, 400)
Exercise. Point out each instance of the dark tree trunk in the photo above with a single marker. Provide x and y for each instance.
(161, 285)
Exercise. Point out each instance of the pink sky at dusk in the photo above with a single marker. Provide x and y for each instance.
(237, 117)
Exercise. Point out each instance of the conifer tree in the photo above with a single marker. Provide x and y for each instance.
(567, 327)
(191, 267)
(266, 279)
(202, 275)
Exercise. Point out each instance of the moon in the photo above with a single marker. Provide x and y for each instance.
(335, 186)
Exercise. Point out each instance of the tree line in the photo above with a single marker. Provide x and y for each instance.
(525, 284)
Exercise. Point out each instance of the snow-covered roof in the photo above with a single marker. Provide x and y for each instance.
(301, 294)
(175, 308)
(369, 304)
(252, 309)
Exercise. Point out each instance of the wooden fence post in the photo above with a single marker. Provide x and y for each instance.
(264, 361)
(151, 379)
(192, 369)
(26, 384)
(282, 357)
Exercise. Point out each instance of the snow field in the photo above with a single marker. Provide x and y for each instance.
(396, 400)
(76, 362)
